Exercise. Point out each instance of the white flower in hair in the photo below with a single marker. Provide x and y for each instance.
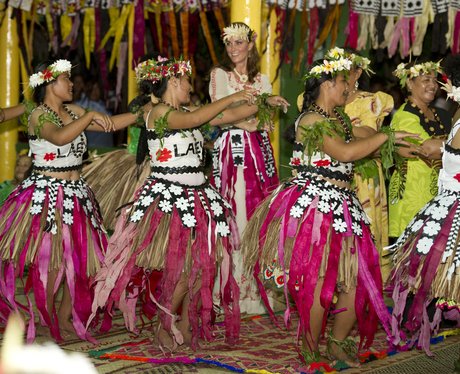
(61, 65)
(453, 92)
(50, 73)
(235, 31)
(335, 52)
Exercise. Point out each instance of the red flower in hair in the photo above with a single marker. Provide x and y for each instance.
(47, 75)
(444, 78)
(163, 154)
(457, 177)
(320, 163)
(49, 156)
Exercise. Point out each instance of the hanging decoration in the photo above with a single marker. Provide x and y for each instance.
(172, 25)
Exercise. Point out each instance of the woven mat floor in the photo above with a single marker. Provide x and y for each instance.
(262, 347)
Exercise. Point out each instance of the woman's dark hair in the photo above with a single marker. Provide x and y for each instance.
(253, 63)
(312, 86)
(451, 66)
(310, 94)
(39, 92)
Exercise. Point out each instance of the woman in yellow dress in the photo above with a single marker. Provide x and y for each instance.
(415, 180)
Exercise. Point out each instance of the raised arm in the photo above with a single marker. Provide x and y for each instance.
(342, 151)
(186, 120)
(12, 112)
(39, 123)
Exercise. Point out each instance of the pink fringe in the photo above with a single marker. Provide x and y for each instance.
(308, 252)
(120, 283)
(74, 266)
(254, 172)
(418, 323)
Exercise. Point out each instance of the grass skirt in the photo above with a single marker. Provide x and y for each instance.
(50, 224)
(114, 177)
(174, 229)
(310, 229)
(427, 266)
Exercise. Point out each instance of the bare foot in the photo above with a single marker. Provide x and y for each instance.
(184, 328)
(336, 353)
(66, 329)
(163, 340)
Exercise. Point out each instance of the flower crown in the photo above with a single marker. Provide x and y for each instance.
(403, 73)
(357, 60)
(239, 32)
(332, 67)
(156, 70)
(50, 73)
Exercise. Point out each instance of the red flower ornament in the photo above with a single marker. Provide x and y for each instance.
(295, 161)
(322, 163)
(49, 156)
(163, 154)
(457, 177)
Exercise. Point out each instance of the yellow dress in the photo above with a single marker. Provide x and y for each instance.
(371, 108)
(420, 178)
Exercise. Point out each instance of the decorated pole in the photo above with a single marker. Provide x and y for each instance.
(269, 63)
(9, 92)
(249, 12)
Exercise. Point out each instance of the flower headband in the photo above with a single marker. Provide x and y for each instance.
(424, 68)
(239, 32)
(156, 70)
(357, 60)
(332, 67)
(50, 73)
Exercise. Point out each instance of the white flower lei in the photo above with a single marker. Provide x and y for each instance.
(50, 73)
(238, 32)
(156, 70)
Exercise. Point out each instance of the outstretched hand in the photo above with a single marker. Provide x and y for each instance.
(411, 143)
(278, 101)
(247, 95)
(104, 120)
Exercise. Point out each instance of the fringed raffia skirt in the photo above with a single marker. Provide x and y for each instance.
(114, 177)
(178, 230)
(427, 269)
(310, 229)
(49, 225)
(251, 151)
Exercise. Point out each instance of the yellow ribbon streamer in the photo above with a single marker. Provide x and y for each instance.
(116, 30)
(89, 34)
(66, 27)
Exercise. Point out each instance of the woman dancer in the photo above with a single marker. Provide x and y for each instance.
(244, 169)
(50, 223)
(178, 223)
(427, 254)
(312, 231)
